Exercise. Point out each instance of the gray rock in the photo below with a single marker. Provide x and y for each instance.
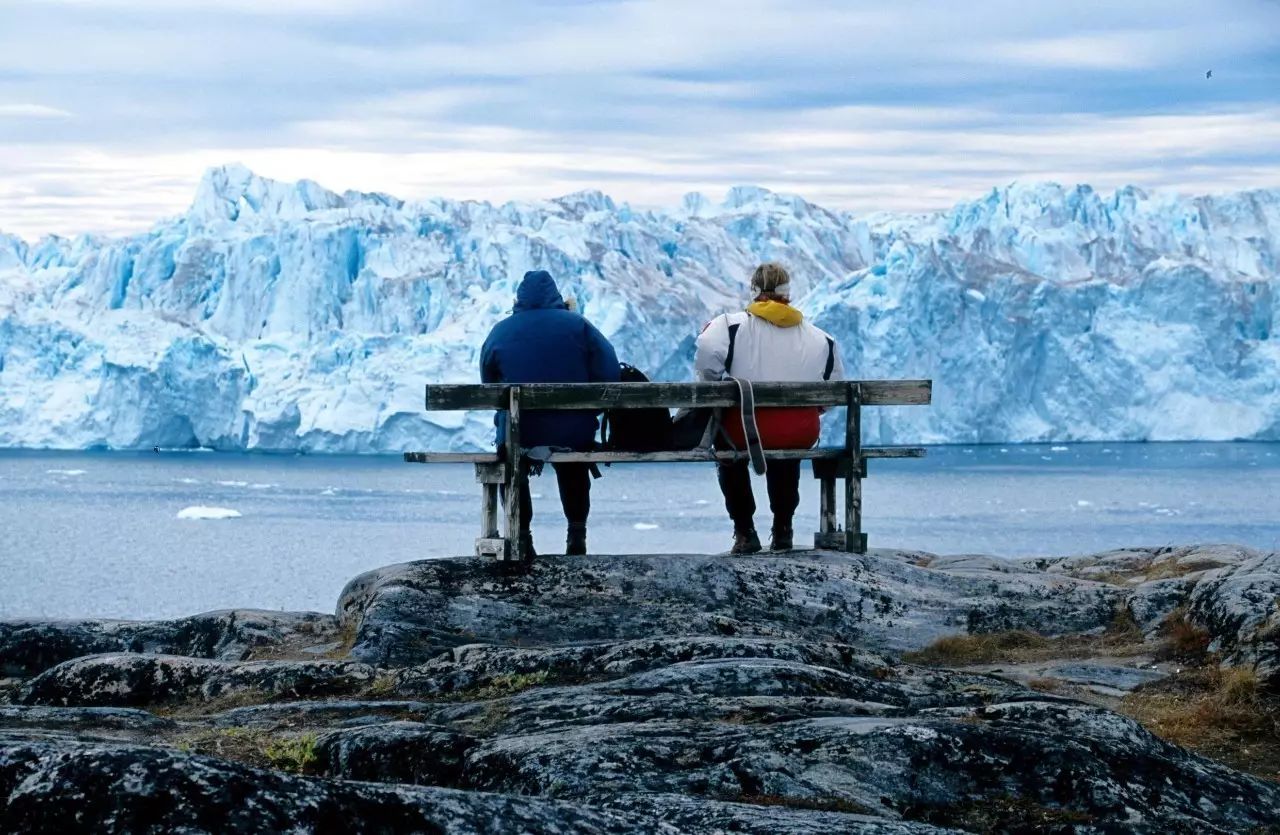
(28, 647)
(321, 713)
(1239, 605)
(921, 767)
(1114, 677)
(396, 752)
(408, 613)
(691, 694)
(59, 786)
(1152, 603)
(766, 816)
(127, 680)
(136, 722)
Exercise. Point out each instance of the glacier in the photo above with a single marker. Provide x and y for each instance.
(285, 316)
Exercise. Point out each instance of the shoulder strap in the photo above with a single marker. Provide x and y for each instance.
(831, 359)
(750, 431)
(728, 357)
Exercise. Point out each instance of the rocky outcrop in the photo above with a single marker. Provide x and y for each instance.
(132, 789)
(649, 694)
(141, 680)
(1239, 605)
(408, 613)
(31, 647)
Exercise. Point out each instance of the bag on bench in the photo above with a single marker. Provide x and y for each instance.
(636, 430)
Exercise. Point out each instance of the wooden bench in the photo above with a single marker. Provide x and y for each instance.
(847, 462)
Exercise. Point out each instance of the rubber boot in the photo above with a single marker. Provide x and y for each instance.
(575, 544)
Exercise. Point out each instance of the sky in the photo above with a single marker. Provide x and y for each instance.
(111, 110)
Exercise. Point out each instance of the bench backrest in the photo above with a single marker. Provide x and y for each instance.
(467, 396)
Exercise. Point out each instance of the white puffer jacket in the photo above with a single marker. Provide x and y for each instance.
(753, 348)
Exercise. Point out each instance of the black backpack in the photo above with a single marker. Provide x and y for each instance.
(636, 430)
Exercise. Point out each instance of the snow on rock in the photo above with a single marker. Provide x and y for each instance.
(203, 512)
(289, 317)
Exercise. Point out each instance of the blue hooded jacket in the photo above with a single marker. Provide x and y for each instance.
(542, 341)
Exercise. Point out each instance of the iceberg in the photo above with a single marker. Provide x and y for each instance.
(284, 316)
(205, 512)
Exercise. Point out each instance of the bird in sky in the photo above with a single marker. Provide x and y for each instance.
(1209, 74)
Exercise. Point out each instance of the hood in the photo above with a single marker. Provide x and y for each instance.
(776, 313)
(538, 291)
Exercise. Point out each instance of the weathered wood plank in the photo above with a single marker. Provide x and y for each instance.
(489, 511)
(853, 540)
(452, 397)
(492, 547)
(826, 508)
(451, 457)
(893, 452)
(516, 476)
(675, 456)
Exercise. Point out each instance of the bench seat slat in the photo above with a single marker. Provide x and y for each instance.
(604, 457)
(452, 457)
(464, 396)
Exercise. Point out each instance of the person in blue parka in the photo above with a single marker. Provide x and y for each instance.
(543, 341)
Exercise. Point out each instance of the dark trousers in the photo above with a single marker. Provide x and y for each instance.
(783, 480)
(575, 495)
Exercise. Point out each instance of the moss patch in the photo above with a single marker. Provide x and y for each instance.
(1121, 638)
(813, 804)
(1221, 713)
(1002, 814)
(295, 753)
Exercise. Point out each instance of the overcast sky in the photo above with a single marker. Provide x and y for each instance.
(110, 110)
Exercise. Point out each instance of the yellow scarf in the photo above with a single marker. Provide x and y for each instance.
(776, 313)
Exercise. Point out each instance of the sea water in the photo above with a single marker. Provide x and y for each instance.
(151, 535)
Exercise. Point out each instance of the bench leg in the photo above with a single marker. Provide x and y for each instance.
(855, 541)
(517, 477)
(490, 543)
(828, 536)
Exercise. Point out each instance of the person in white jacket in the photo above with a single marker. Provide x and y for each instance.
(769, 341)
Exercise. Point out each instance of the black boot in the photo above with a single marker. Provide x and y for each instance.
(745, 542)
(526, 546)
(783, 538)
(575, 544)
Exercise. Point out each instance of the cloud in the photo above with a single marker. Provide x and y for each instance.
(31, 111)
(865, 106)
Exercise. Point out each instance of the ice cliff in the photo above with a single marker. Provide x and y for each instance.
(286, 316)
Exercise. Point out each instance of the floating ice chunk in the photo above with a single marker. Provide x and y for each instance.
(66, 472)
(1059, 449)
(1083, 503)
(203, 512)
(701, 501)
(260, 486)
(1046, 457)
(187, 480)
(645, 526)
(328, 491)
(234, 483)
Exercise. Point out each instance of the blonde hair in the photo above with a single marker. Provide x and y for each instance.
(771, 280)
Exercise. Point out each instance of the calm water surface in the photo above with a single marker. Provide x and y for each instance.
(99, 534)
